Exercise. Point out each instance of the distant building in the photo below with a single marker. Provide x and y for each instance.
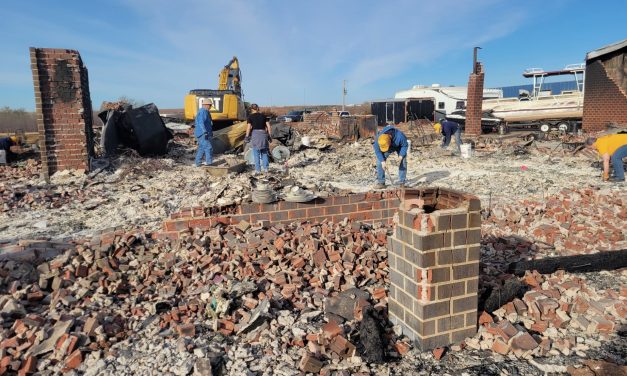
(605, 96)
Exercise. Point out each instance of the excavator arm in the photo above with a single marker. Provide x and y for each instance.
(231, 77)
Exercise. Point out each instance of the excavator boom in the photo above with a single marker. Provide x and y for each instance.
(231, 77)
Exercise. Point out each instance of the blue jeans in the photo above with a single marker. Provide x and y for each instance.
(204, 149)
(263, 155)
(402, 171)
(458, 140)
(617, 162)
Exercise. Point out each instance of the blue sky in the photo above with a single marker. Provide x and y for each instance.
(298, 52)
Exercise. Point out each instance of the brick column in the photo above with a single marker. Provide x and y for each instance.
(474, 102)
(434, 266)
(63, 106)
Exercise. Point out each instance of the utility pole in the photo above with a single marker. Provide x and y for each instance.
(343, 94)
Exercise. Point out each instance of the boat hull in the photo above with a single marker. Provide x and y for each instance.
(543, 108)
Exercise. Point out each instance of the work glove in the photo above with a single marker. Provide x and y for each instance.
(269, 139)
(606, 176)
(207, 136)
(247, 139)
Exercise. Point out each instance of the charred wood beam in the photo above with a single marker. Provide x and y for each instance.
(493, 298)
(579, 263)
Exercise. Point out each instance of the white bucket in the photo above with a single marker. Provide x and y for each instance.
(466, 150)
(305, 141)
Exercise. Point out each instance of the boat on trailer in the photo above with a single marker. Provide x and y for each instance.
(541, 108)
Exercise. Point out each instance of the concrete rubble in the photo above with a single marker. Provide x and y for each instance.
(89, 287)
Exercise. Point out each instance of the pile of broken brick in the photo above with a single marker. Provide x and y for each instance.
(230, 279)
(565, 221)
(309, 287)
(30, 169)
(21, 189)
(26, 197)
(559, 314)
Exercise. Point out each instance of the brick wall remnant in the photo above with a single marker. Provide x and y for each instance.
(342, 128)
(63, 107)
(433, 255)
(365, 207)
(604, 101)
(474, 102)
(434, 266)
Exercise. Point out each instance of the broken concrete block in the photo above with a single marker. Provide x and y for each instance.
(60, 328)
(257, 317)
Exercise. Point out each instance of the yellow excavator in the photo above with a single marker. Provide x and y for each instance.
(228, 105)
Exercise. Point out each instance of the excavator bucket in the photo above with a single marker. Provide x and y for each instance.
(229, 138)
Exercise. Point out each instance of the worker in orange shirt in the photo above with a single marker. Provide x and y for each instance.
(612, 147)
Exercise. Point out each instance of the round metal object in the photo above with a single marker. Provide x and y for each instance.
(563, 127)
(545, 127)
(263, 196)
(279, 153)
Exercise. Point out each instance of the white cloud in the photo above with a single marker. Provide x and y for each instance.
(158, 49)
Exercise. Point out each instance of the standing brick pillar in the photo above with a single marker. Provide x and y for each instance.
(434, 266)
(63, 106)
(474, 101)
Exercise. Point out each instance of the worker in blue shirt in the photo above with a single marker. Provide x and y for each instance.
(448, 128)
(204, 132)
(390, 140)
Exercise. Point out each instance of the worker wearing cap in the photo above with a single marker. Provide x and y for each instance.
(611, 147)
(390, 140)
(449, 128)
(204, 132)
(5, 144)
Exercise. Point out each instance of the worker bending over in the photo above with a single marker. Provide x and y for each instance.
(449, 128)
(611, 147)
(204, 132)
(5, 144)
(390, 140)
